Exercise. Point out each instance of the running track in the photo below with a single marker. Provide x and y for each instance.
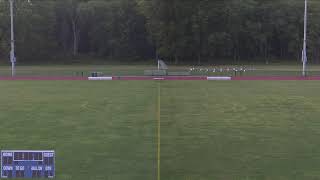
(168, 78)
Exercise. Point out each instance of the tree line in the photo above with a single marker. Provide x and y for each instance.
(179, 31)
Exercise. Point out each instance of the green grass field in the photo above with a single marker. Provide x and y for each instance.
(209, 130)
(138, 70)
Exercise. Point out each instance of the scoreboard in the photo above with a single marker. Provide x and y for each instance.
(27, 164)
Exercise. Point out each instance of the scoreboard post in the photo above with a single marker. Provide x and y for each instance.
(27, 164)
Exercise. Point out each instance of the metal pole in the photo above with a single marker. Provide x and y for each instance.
(12, 52)
(304, 51)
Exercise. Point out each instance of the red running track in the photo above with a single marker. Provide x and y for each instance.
(38, 78)
(167, 78)
(125, 78)
(276, 78)
(170, 78)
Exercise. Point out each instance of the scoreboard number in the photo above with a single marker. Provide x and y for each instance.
(27, 164)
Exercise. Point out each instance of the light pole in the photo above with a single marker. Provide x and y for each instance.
(12, 52)
(304, 51)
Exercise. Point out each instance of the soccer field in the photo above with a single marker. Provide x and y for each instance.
(209, 130)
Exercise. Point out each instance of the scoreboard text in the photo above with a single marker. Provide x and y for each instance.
(27, 164)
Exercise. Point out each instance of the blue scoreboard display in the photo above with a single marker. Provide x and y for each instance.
(27, 164)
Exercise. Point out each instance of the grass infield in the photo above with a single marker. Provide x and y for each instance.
(209, 130)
